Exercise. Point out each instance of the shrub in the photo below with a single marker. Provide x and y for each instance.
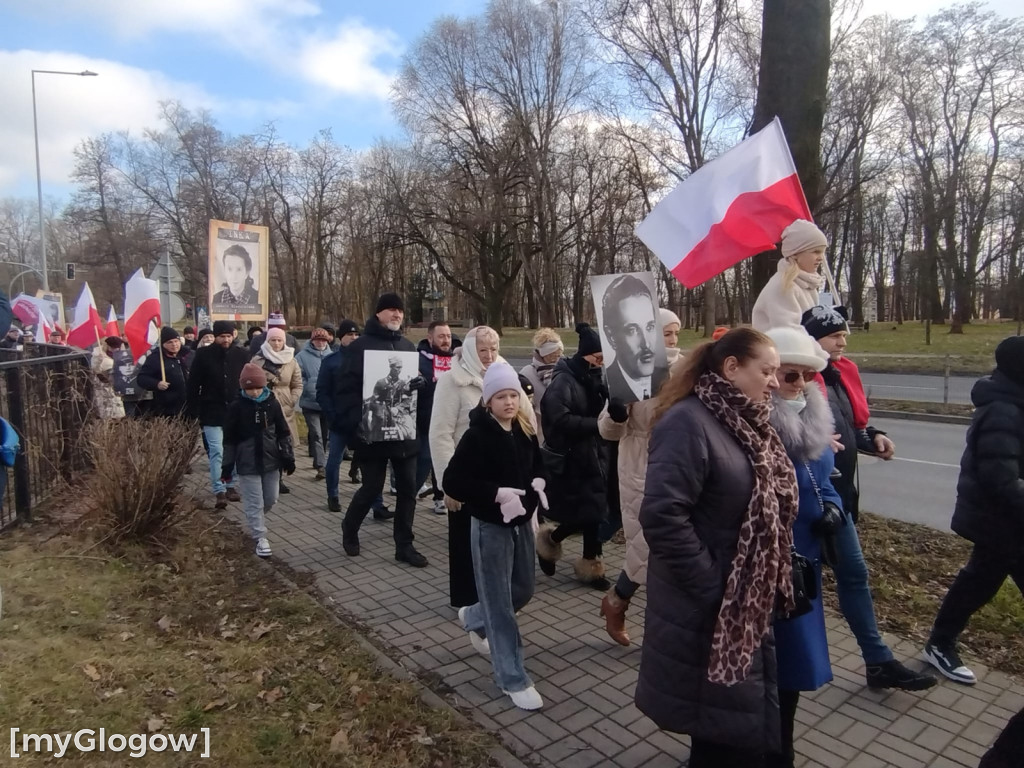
(133, 489)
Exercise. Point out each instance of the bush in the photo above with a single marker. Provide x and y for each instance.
(133, 488)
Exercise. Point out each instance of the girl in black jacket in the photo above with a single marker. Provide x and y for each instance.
(258, 446)
(498, 474)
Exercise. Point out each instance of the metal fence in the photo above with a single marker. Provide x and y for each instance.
(46, 394)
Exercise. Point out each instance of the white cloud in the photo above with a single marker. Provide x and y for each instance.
(345, 61)
(73, 108)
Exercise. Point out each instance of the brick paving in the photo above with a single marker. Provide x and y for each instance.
(589, 720)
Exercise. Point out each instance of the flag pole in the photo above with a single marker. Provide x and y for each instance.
(163, 370)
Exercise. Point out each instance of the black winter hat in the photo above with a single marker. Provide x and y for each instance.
(345, 327)
(202, 332)
(168, 334)
(389, 301)
(223, 326)
(822, 321)
(1010, 358)
(590, 342)
(253, 331)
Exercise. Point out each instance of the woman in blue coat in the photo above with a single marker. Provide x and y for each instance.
(803, 420)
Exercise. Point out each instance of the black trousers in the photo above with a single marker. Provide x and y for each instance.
(592, 548)
(788, 701)
(707, 754)
(975, 585)
(375, 472)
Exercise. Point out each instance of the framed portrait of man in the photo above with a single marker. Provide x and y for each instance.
(239, 268)
(635, 362)
(389, 405)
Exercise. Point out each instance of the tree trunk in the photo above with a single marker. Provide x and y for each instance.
(793, 85)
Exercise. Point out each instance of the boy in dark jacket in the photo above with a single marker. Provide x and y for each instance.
(989, 506)
(258, 447)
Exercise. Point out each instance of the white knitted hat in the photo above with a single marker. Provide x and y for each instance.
(800, 236)
(796, 347)
(667, 317)
(499, 377)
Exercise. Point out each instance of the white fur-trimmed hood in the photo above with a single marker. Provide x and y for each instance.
(808, 434)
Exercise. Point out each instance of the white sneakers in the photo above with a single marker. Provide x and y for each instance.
(528, 699)
(263, 548)
(479, 643)
(439, 507)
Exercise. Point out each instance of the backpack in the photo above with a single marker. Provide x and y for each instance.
(10, 443)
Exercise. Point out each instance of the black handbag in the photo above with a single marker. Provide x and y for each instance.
(805, 586)
(825, 529)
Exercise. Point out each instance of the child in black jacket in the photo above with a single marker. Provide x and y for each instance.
(498, 474)
(258, 445)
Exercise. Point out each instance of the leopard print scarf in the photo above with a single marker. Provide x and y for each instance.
(761, 571)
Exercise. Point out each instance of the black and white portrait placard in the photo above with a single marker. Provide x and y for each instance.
(389, 405)
(238, 271)
(635, 363)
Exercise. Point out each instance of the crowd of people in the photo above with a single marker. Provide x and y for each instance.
(734, 480)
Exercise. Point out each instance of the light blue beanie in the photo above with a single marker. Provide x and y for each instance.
(500, 376)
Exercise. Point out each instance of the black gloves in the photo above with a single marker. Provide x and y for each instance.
(618, 411)
(288, 465)
(415, 385)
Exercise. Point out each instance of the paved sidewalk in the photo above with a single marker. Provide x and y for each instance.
(589, 720)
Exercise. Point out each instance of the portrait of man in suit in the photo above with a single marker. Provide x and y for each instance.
(630, 329)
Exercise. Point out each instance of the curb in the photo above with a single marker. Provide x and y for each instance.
(499, 755)
(933, 418)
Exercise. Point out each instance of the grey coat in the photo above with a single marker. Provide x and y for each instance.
(699, 483)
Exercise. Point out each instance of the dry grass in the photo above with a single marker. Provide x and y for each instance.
(917, 406)
(207, 637)
(912, 567)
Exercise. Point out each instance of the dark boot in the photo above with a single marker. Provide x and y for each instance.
(549, 551)
(222, 501)
(590, 571)
(232, 495)
(333, 505)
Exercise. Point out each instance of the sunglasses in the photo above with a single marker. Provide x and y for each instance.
(792, 377)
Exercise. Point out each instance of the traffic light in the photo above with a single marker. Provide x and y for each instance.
(70, 271)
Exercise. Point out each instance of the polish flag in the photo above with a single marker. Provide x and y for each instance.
(141, 313)
(733, 208)
(32, 311)
(87, 327)
(111, 329)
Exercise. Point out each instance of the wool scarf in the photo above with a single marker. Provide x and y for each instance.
(283, 357)
(761, 571)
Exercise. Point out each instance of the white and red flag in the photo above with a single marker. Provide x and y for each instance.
(141, 313)
(88, 325)
(733, 208)
(34, 312)
(111, 328)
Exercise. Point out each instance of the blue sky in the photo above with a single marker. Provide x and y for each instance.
(304, 64)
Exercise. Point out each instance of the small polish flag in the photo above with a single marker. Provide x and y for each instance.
(141, 312)
(733, 208)
(112, 329)
(88, 325)
(32, 311)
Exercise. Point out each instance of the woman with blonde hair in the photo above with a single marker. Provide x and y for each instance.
(547, 349)
(719, 504)
(796, 285)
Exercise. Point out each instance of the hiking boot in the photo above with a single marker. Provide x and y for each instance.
(353, 475)
(222, 501)
(263, 548)
(350, 542)
(333, 505)
(439, 507)
(943, 657)
(232, 495)
(893, 674)
(283, 489)
(412, 557)
(613, 611)
(383, 513)
(320, 474)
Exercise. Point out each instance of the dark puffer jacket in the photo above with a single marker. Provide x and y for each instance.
(429, 371)
(256, 437)
(569, 410)
(699, 483)
(990, 492)
(213, 382)
(487, 458)
(348, 389)
(171, 401)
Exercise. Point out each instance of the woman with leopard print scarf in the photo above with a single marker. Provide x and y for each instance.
(718, 512)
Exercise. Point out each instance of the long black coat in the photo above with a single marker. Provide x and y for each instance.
(990, 492)
(213, 382)
(348, 389)
(699, 483)
(569, 410)
(171, 401)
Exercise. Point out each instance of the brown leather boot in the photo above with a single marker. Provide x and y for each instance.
(613, 611)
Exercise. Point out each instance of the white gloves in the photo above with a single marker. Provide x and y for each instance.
(538, 485)
(511, 503)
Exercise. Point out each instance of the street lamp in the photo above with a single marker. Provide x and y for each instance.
(39, 178)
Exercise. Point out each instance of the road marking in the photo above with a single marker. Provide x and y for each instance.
(930, 463)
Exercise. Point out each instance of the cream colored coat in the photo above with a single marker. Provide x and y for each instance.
(779, 308)
(287, 389)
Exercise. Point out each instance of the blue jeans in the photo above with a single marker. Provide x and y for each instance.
(259, 495)
(315, 437)
(215, 450)
(504, 567)
(335, 452)
(854, 593)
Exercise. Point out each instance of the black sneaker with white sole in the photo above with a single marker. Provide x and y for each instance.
(945, 659)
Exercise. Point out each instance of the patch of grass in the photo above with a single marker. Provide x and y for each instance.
(915, 406)
(200, 635)
(911, 569)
